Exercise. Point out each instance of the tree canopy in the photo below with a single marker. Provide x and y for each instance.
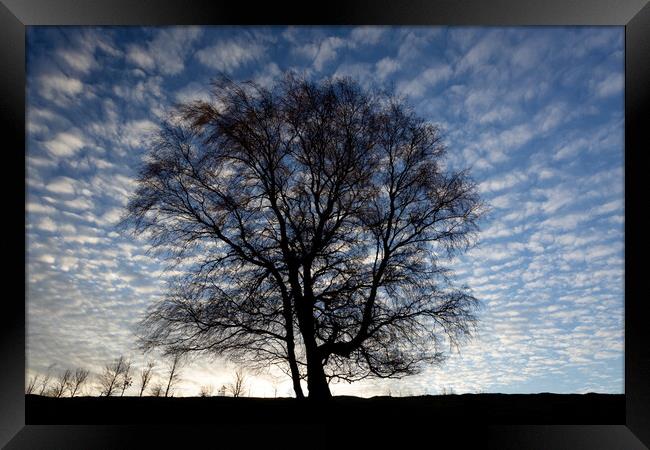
(312, 221)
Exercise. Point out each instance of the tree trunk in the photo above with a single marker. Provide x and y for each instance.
(291, 352)
(295, 373)
(316, 380)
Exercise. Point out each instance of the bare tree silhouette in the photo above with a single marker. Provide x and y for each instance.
(31, 384)
(309, 206)
(78, 380)
(236, 388)
(206, 390)
(62, 383)
(174, 377)
(126, 378)
(45, 381)
(110, 380)
(157, 390)
(145, 376)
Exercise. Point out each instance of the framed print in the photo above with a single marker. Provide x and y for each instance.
(273, 225)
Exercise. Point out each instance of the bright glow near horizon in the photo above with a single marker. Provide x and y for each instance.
(535, 112)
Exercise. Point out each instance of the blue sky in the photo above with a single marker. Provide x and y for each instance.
(536, 113)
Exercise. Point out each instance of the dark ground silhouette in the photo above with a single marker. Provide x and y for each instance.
(452, 409)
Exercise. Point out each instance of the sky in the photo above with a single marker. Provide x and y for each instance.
(535, 113)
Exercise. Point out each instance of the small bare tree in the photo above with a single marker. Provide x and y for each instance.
(157, 390)
(237, 387)
(145, 376)
(45, 381)
(112, 377)
(31, 385)
(206, 390)
(62, 383)
(78, 380)
(174, 374)
(447, 390)
(127, 378)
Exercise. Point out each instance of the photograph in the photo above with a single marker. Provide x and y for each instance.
(239, 223)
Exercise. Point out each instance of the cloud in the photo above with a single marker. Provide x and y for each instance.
(228, 56)
(140, 57)
(481, 53)
(167, 51)
(137, 132)
(613, 84)
(571, 149)
(367, 35)
(192, 92)
(39, 208)
(47, 224)
(65, 144)
(414, 40)
(78, 50)
(62, 185)
(59, 87)
(501, 182)
(323, 51)
(566, 222)
(385, 67)
(424, 81)
(78, 60)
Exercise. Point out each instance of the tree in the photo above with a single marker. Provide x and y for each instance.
(62, 383)
(45, 381)
(237, 387)
(110, 381)
(78, 380)
(312, 220)
(126, 378)
(145, 376)
(157, 390)
(206, 390)
(31, 384)
(174, 377)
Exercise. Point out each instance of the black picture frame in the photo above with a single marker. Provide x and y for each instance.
(634, 15)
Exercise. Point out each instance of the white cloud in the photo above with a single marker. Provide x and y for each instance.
(268, 75)
(77, 59)
(78, 51)
(322, 51)
(228, 56)
(140, 57)
(427, 79)
(566, 222)
(167, 50)
(613, 84)
(79, 203)
(39, 208)
(481, 53)
(61, 185)
(47, 259)
(65, 144)
(609, 207)
(385, 67)
(551, 116)
(59, 87)
(112, 216)
(501, 182)
(192, 92)
(367, 35)
(47, 224)
(137, 132)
